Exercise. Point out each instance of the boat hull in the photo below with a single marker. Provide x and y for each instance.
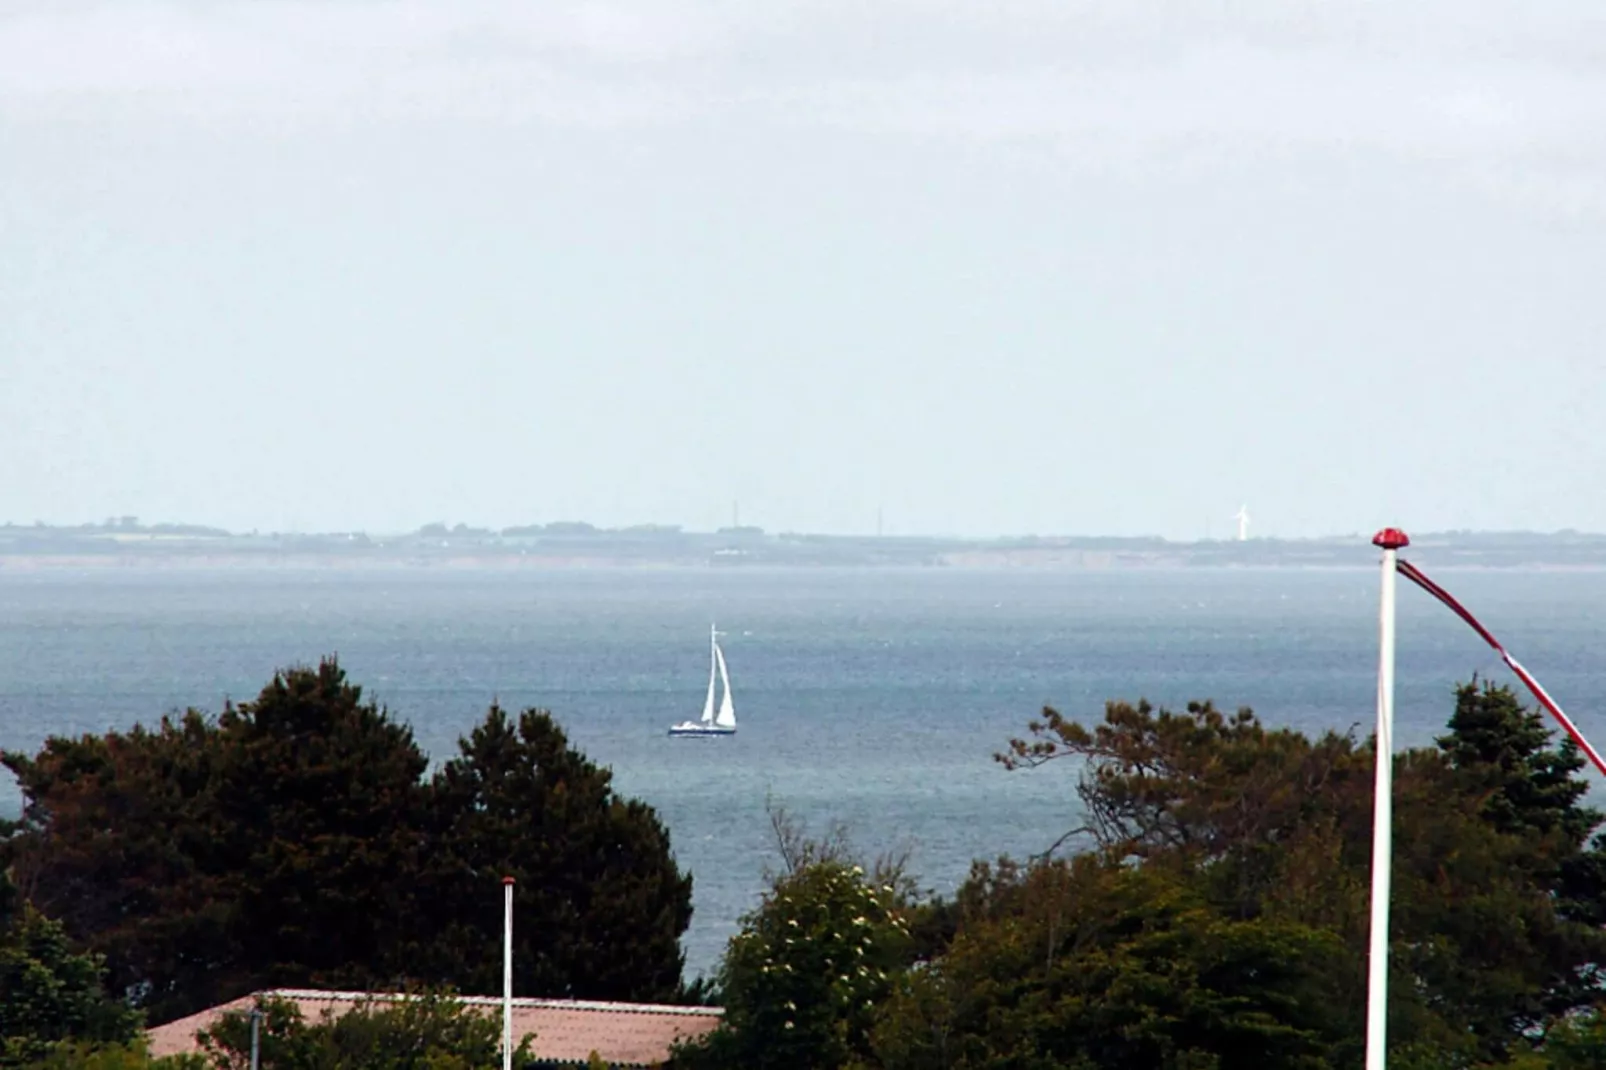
(695, 730)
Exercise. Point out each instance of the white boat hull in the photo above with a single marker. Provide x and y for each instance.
(693, 729)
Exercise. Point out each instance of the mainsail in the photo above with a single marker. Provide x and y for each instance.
(727, 709)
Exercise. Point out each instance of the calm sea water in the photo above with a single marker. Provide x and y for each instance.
(873, 698)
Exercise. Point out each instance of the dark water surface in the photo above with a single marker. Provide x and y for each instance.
(873, 697)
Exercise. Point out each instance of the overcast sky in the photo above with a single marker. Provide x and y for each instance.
(1019, 266)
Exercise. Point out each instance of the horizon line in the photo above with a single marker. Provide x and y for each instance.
(131, 525)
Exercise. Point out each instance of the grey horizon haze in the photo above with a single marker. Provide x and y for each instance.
(1030, 266)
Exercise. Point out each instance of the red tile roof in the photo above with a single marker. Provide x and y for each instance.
(566, 1030)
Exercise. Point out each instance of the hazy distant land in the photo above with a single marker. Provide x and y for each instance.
(125, 542)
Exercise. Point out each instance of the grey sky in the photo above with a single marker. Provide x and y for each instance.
(1022, 266)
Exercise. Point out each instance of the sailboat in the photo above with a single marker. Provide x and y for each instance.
(722, 723)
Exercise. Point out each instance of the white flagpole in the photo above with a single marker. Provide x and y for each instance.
(507, 973)
(1377, 981)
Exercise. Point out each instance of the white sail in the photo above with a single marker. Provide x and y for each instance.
(708, 703)
(727, 709)
(712, 725)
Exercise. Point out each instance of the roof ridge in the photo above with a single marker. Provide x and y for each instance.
(532, 1002)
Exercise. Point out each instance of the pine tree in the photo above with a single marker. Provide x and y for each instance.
(1532, 791)
(599, 901)
(294, 842)
(326, 803)
(1510, 752)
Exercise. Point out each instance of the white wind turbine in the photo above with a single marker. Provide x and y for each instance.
(1242, 516)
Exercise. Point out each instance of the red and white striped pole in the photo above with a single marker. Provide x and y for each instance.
(1390, 540)
(507, 973)
(1418, 577)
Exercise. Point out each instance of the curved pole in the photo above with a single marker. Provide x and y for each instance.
(1416, 576)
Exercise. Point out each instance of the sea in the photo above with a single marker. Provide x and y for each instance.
(870, 699)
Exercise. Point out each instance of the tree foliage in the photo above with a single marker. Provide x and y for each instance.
(1578, 1042)
(1496, 890)
(132, 1055)
(801, 982)
(1215, 913)
(295, 841)
(426, 1031)
(49, 994)
(589, 868)
(1089, 963)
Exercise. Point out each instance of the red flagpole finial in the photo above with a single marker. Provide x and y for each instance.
(1391, 539)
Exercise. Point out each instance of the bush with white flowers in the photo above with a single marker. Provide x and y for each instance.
(802, 979)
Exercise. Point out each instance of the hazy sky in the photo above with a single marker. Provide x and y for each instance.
(1016, 266)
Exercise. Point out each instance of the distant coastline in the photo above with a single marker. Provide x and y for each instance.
(125, 543)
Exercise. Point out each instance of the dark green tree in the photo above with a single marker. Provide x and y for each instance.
(294, 841)
(122, 839)
(325, 807)
(209, 859)
(1509, 752)
(50, 994)
(1202, 783)
(1528, 787)
(1089, 963)
(599, 901)
(1492, 928)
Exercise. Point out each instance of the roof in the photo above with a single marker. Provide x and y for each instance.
(566, 1030)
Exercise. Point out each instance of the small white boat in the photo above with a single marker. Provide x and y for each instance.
(722, 723)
